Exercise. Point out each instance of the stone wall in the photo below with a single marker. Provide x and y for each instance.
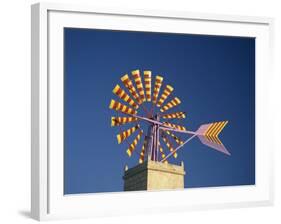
(152, 175)
(135, 179)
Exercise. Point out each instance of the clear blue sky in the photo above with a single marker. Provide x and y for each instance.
(214, 77)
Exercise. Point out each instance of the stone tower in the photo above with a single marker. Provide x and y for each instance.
(153, 175)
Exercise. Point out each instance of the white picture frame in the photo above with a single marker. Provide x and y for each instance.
(47, 199)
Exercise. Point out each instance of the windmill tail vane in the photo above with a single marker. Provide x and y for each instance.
(208, 135)
(163, 120)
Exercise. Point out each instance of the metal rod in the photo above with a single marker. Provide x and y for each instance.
(147, 119)
(171, 153)
(163, 126)
(166, 128)
(157, 142)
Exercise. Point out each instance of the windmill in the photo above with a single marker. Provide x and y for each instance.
(139, 104)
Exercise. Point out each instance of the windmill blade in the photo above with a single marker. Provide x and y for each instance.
(176, 138)
(141, 159)
(117, 121)
(147, 84)
(157, 87)
(208, 135)
(132, 147)
(129, 85)
(179, 115)
(162, 153)
(137, 77)
(118, 91)
(169, 145)
(166, 93)
(176, 126)
(114, 105)
(173, 103)
(125, 134)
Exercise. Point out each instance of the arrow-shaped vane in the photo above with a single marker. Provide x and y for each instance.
(208, 135)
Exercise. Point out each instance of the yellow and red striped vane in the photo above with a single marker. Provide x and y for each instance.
(141, 159)
(166, 93)
(179, 115)
(169, 145)
(129, 85)
(147, 84)
(157, 87)
(125, 134)
(117, 121)
(175, 126)
(132, 147)
(121, 107)
(176, 138)
(162, 153)
(173, 103)
(137, 77)
(118, 91)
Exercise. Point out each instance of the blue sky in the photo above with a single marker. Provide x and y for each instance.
(214, 76)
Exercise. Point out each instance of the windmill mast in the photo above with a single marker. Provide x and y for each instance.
(152, 140)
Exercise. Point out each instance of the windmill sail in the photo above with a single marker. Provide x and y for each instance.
(176, 126)
(114, 105)
(118, 91)
(166, 93)
(208, 135)
(132, 147)
(179, 115)
(129, 85)
(176, 138)
(116, 121)
(169, 145)
(162, 153)
(157, 87)
(147, 84)
(137, 77)
(125, 134)
(173, 103)
(141, 159)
